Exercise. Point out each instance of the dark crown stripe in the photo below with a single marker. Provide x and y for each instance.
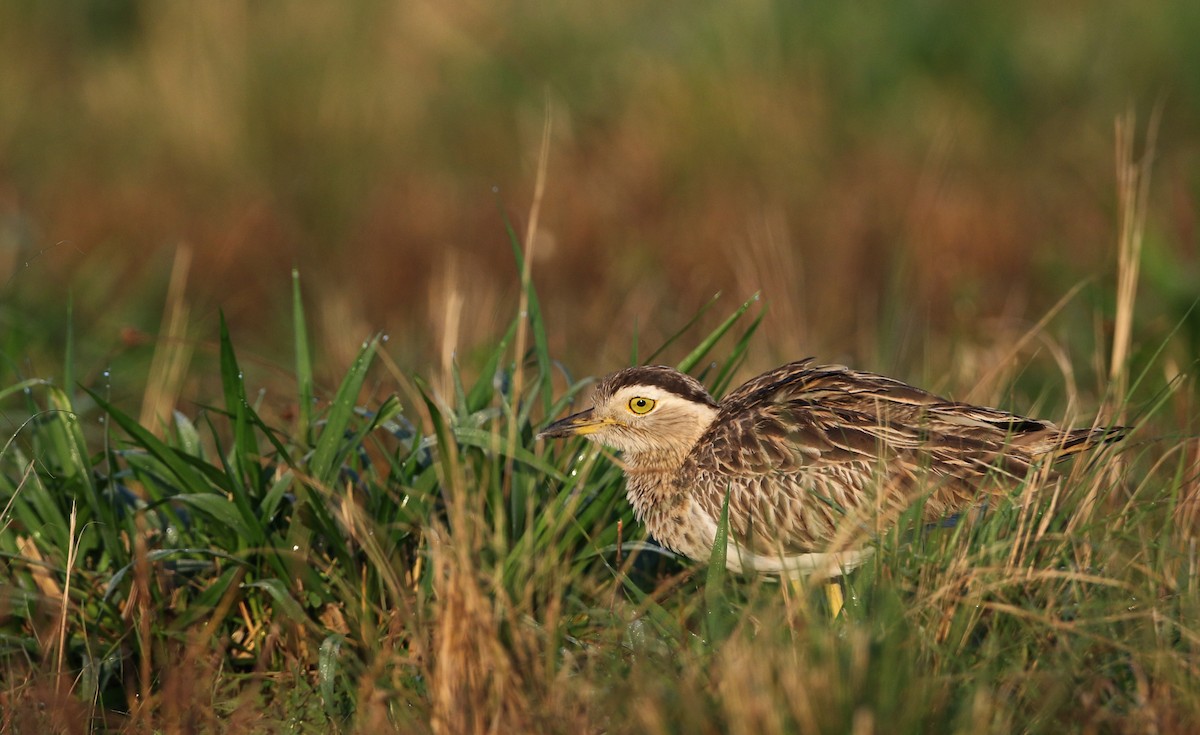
(659, 376)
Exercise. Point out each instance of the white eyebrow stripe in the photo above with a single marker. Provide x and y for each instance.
(652, 392)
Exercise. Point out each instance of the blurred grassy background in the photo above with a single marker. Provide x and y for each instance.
(885, 174)
(911, 186)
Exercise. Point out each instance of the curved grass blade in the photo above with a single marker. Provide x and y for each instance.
(304, 372)
(69, 351)
(706, 345)
(329, 669)
(480, 395)
(20, 387)
(331, 445)
(245, 444)
(285, 602)
(680, 332)
(157, 555)
(486, 441)
(74, 464)
(718, 619)
(736, 356)
(188, 477)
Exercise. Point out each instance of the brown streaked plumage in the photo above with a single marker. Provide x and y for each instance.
(810, 456)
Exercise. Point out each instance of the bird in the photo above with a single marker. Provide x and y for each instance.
(805, 457)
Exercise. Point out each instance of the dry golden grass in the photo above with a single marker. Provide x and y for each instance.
(928, 209)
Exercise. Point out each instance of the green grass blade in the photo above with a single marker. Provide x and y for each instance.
(75, 466)
(222, 510)
(657, 614)
(186, 436)
(541, 347)
(286, 603)
(682, 330)
(706, 345)
(736, 356)
(242, 502)
(485, 440)
(718, 620)
(69, 349)
(234, 385)
(188, 477)
(329, 669)
(330, 445)
(38, 508)
(481, 394)
(537, 325)
(21, 387)
(114, 582)
(304, 371)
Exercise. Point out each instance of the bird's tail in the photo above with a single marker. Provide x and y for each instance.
(1065, 443)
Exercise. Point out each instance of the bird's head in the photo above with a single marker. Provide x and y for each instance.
(643, 410)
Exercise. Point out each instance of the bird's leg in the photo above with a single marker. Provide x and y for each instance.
(833, 593)
(793, 598)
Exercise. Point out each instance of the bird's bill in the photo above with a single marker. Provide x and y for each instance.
(577, 424)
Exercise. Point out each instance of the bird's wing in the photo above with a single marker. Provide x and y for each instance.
(800, 447)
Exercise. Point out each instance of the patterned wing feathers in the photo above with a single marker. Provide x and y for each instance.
(801, 446)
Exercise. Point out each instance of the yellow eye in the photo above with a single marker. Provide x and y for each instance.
(641, 405)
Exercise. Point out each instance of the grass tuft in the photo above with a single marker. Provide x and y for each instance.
(416, 562)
